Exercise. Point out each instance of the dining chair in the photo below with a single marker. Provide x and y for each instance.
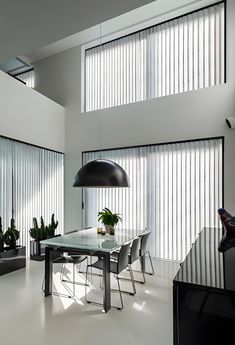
(143, 251)
(75, 259)
(144, 239)
(133, 256)
(116, 267)
(65, 258)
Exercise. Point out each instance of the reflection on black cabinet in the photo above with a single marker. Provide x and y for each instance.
(204, 294)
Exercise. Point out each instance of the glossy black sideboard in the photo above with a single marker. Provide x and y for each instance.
(12, 260)
(204, 294)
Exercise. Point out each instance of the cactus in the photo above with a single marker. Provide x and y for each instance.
(1, 236)
(11, 235)
(35, 223)
(38, 234)
(42, 223)
(52, 227)
(43, 232)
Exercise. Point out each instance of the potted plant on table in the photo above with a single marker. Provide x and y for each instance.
(109, 220)
(12, 256)
(41, 233)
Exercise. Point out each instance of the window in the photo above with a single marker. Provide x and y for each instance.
(175, 191)
(183, 54)
(31, 185)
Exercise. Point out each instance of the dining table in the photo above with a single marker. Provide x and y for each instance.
(90, 243)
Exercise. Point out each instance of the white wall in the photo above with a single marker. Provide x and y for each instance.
(29, 116)
(191, 115)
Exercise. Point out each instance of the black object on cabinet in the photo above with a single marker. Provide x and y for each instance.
(204, 294)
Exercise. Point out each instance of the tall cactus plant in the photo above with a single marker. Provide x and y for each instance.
(1, 236)
(38, 233)
(44, 231)
(11, 235)
(52, 227)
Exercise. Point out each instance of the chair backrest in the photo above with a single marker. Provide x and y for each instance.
(135, 250)
(123, 257)
(144, 242)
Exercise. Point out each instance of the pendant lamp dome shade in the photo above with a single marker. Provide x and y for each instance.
(101, 173)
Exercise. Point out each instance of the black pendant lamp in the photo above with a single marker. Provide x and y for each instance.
(101, 173)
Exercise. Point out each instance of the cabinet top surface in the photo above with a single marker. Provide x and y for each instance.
(206, 266)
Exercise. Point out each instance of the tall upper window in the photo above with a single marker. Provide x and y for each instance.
(183, 54)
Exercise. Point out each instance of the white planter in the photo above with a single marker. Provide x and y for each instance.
(109, 229)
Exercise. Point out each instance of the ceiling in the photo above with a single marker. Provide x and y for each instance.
(151, 14)
(27, 25)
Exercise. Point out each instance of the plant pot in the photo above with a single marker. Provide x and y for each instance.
(12, 260)
(109, 229)
(37, 253)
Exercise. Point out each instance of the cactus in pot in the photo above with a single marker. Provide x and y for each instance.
(11, 235)
(1, 236)
(38, 233)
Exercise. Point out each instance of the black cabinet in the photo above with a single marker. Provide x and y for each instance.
(204, 294)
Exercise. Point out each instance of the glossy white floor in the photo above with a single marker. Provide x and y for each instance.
(26, 317)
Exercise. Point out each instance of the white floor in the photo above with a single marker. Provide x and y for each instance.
(27, 318)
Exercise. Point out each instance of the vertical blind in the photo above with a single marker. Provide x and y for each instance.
(5, 181)
(205, 265)
(175, 191)
(180, 55)
(131, 202)
(31, 181)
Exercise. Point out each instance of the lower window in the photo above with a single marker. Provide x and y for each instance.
(31, 185)
(175, 191)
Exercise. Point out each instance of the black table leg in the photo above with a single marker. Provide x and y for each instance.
(106, 283)
(48, 271)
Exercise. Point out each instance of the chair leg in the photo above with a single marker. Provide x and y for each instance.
(101, 280)
(132, 273)
(70, 281)
(120, 293)
(91, 267)
(73, 280)
(43, 283)
(62, 271)
(91, 302)
(86, 284)
(142, 269)
(151, 263)
(123, 278)
(132, 279)
(58, 293)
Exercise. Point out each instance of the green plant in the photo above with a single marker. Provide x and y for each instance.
(43, 232)
(1, 236)
(51, 227)
(11, 235)
(108, 218)
(38, 233)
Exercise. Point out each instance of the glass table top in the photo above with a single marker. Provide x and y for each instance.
(90, 240)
